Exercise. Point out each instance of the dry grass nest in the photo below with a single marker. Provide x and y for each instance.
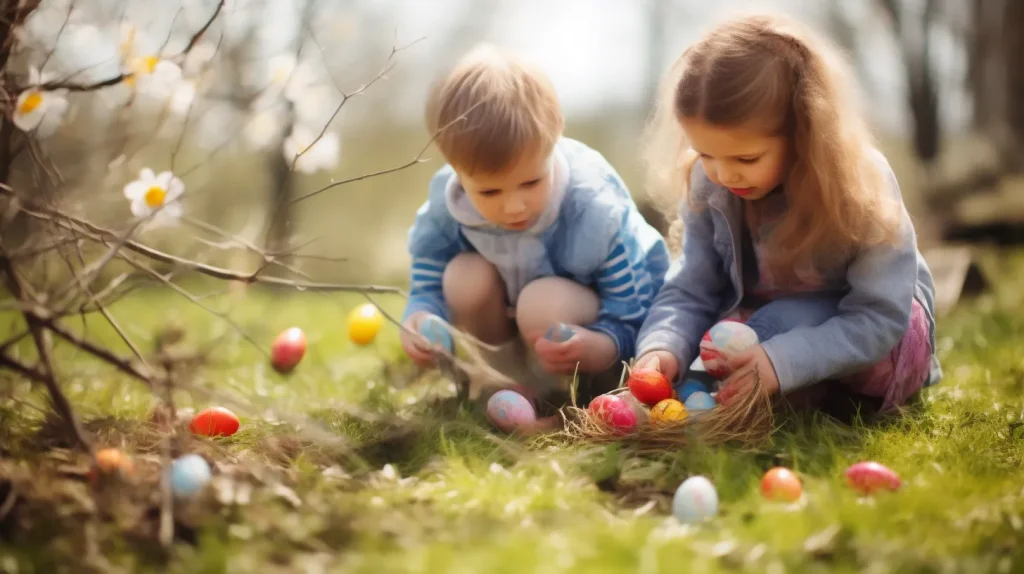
(748, 421)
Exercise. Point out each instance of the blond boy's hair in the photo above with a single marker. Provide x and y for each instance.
(491, 109)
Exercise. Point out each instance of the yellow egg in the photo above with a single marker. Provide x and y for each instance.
(364, 323)
(668, 411)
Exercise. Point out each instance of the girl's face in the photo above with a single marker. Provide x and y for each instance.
(748, 162)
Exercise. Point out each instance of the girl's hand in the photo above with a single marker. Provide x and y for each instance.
(593, 351)
(414, 345)
(741, 382)
(666, 363)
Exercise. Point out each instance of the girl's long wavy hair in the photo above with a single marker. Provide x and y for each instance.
(773, 72)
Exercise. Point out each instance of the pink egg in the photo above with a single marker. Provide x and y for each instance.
(868, 477)
(613, 411)
(509, 410)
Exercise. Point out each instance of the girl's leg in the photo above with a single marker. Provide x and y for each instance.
(903, 371)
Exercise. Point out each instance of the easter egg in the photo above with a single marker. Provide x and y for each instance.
(689, 387)
(363, 323)
(867, 477)
(668, 411)
(781, 484)
(214, 421)
(722, 341)
(695, 500)
(435, 331)
(560, 333)
(613, 411)
(699, 401)
(649, 386)
(509, 410)
(110, 461)
(189, 475)
(288, 349)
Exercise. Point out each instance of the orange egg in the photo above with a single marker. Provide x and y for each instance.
(364, 323)
(111, 461)
(781, 484)
(215, 421)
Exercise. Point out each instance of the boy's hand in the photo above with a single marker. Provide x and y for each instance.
(741, 382)
(414, 344)
(594, 351)
(667, 363)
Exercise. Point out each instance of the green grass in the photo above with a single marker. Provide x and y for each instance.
(392, 478)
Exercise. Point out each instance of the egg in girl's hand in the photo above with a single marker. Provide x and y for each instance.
(613, 411)
(695, 500)
(699, 401)
(364, 323)
(509, 410)
(867, 477)
(725, 339)
(214, 421)
(288, 349)
(781, 484)
(189, 475)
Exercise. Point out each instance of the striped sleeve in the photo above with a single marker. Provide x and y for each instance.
(622, 285)
(433, 242)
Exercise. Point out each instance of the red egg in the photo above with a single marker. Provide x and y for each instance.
(781, 484)
(613, 411)
(288, 349)
(649, 386)
(867, 477)
(215, 421)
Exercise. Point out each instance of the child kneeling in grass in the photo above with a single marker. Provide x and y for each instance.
(525, 229)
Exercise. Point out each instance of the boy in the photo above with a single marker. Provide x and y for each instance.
(525, 229)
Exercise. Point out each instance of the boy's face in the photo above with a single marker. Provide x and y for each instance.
(747, 161)
(514, 198)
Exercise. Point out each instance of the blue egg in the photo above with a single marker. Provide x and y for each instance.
(560, 333)
(189, 474)
(434, 330)
(689, 387)
(695, 500)
(699, 401)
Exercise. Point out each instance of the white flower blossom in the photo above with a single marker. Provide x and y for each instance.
(157, 193)
(39, 110)
(317, 154)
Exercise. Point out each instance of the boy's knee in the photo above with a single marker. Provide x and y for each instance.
(470, 283)
(551, 300)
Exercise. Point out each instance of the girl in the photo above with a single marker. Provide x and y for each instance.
(793, 223)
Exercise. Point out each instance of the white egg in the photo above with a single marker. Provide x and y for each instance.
(695, 500)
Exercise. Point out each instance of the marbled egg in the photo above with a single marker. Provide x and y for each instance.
(613, 411)
(435, 331)
(695, 500)
(722, 341)
(509, 410)
(560, 333)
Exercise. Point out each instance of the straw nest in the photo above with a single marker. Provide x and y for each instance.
(746, 421)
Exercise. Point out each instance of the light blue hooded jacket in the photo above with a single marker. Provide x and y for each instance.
(591, 232)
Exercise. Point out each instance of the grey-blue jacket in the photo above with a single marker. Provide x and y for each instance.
(704, 285)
